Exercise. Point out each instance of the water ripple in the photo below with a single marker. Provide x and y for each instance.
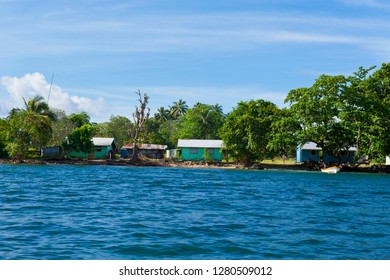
(105, 212)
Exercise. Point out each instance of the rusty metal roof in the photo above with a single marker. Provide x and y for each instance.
(145, 146)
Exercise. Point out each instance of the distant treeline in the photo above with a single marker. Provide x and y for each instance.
(336, 112)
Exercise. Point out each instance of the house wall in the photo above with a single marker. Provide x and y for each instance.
(306, 155)
(388, 160)
(173, 153)
(99, 153)
(78, 154)
(299, 154)
(51, 151)
(345, 159)
(124, 153)
(314, 155)
(153, 154)
(197, 154)
(149, 153)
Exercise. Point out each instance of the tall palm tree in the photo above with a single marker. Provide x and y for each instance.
(162, 114)
(38, 116)
(218, 108)
(37, 105)
(178, 108)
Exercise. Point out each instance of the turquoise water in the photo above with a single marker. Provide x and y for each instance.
(108, 212)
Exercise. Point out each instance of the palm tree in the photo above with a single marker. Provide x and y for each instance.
(218, 108)
(38, 116)
(162, 114)
(28, 127)
(178, 108)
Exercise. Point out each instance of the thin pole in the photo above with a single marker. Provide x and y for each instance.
(51, 83)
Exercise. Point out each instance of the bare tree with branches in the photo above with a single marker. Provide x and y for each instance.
(140, 116)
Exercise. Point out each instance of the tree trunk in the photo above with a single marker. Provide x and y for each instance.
(135, 156)
(140, 116)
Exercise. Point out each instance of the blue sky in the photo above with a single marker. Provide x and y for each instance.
(209, 51)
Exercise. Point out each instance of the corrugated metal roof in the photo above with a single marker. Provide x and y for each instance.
(197, 143)
(99, 141)
(145, 146)
(313, 146)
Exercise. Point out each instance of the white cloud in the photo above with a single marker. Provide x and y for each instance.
(32, 84)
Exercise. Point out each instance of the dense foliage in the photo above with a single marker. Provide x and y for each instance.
(203, 121)
(339, 112)
(247, 130)
(118, 128)
(28, 127)
(80, 139)
(336, 112)
(317, 110)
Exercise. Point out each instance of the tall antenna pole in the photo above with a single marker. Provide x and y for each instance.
(51, 83)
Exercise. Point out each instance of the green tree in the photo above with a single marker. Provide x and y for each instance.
(62, 126)
(284, 130)
(218, 108)
(380, 85)
(30, 126)
(366, 111)
(154, 132)
(157, 132)
(178, 109)
(162, 115)
(3, 132)
(17, 136)
(80, 139)
(202, 121)
(356, 106)
(168, 133)
(117, 127)
(80, 119)
(38, 118)
(247, 131)
(317, 109)
(162, 128)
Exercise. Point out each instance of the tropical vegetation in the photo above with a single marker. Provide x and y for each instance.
(336, 112)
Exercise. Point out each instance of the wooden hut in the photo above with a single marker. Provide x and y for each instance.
(103, 148)
(311, 152)
(152, 151)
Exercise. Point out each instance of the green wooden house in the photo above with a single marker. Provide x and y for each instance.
(196, 149)
(103, 148)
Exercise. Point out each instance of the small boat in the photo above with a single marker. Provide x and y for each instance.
(331, 170)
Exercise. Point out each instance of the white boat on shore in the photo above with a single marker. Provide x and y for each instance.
(331, 170)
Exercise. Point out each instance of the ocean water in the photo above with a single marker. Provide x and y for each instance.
(110, 212)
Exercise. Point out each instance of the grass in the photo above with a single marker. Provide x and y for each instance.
(279, 161)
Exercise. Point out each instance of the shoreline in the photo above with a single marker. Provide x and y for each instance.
(192, 164)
